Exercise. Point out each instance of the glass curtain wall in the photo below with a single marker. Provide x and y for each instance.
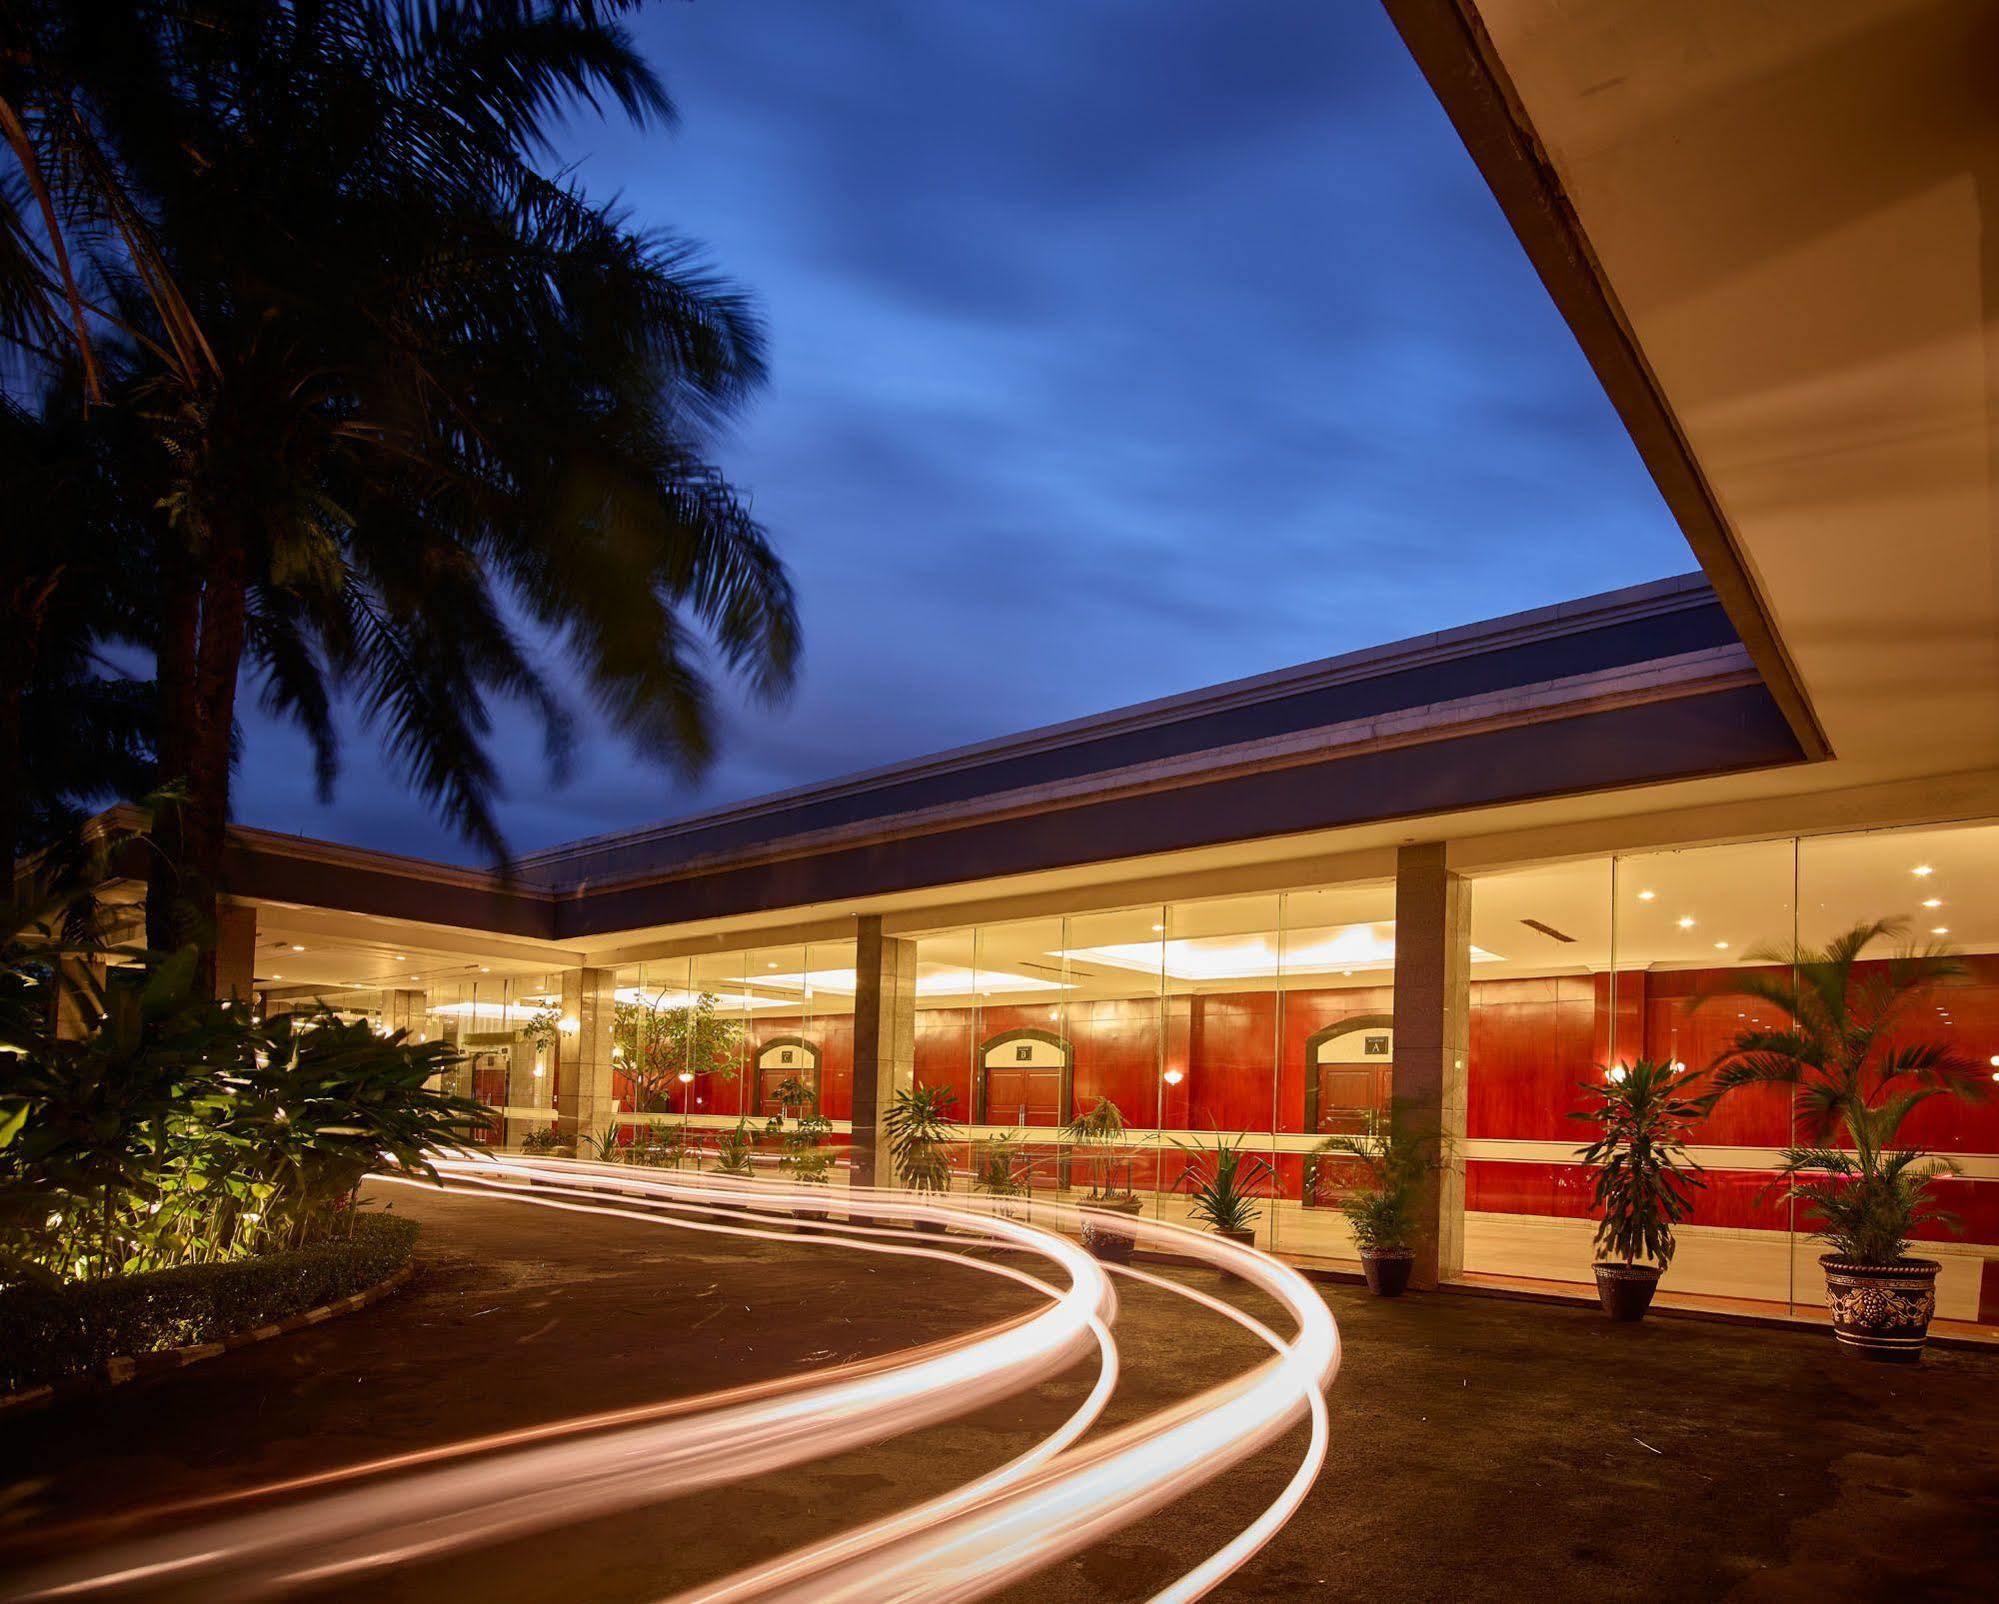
(712, 1048)
(506, 1029)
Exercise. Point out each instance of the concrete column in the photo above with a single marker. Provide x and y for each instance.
(584, 1098)
(236, 953)
(884, 1042)
(1432, 1041)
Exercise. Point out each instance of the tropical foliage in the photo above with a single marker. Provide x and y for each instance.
(735, 1150)
(1222, 1184)
(1847, 1043)
(1644, 1180)
(655, 1046)
(997, 1168)
(1100, 1132)
(166, 1129)
(379, 387)
(1381, 1173)
(920, 1129)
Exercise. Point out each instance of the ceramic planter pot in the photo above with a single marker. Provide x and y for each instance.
(1625, 1290)
(1246, 1236)
(1881, 1311)
(1103, 1237)
(1387, 1270)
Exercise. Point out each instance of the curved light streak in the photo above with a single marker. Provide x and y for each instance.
(1052, 1500)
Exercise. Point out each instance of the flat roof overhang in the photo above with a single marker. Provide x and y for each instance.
(1633, 689)
(1769, 228)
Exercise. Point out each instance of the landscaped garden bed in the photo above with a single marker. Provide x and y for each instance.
(56, 1333)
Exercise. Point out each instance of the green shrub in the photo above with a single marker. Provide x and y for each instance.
(50, 1332)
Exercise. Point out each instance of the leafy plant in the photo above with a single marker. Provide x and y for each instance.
(173, 1130)
(1643, 1178)
(1845, 1047)
(608, 1144)
(656, 1046)
(1223, 1195)
(1392, 1159)
(996, 1166)
(734, 1150)
(659, 1146)
(1101, 1134)
(803, 1155)
(543, 1139)
(920, 1127)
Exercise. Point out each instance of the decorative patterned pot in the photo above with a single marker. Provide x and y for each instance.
(1102, 1237)
(1387, 1270)
(1625, 1290)
(1881, 1311)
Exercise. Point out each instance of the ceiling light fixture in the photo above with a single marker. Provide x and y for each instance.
(1647, 896)
(297, 948)
(1939, 930)
(1686, 921)
(1922, 871)
(1721, 946)
(1933, 902)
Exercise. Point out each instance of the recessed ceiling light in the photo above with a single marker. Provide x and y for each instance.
(401, 959)
(770, 966)
(1158, 929)
(1939, 930)
(1922, 871)
(416, 977)
(1686, 921)
(1933, 902)
(1647, 896)
(1721, 946)
(485, 969)
(297, 948)
(277, 977)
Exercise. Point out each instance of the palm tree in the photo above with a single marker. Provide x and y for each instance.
(432, 397)
(74, 730)
(1845, 1046)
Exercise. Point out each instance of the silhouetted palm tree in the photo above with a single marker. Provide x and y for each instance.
(430, 395)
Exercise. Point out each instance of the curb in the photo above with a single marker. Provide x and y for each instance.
(116, 1371)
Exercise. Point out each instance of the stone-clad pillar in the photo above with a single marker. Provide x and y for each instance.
(1432, 1041)
(884, 1042)
(585, 1099)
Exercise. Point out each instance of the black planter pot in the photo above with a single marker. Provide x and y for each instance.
(1387, 1270)
(1103, 1237)
(1881, 1311)
(1625, 1290)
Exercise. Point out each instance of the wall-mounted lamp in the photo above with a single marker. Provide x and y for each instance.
(1173, 1077)
(570, 1025)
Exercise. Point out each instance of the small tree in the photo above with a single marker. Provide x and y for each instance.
(656, 1046)
(1845, 1049)
(919, 1128)
(1644, 1179)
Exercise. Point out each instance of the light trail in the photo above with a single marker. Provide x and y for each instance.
(1059, 1496)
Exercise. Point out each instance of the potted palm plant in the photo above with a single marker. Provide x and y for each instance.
(735, 1150)
(1390, 1160)
(920, 1129)
(1845, 1045)
(997, 1173)
(1644, 1179)
(1223, 1193)
(1101, 1134)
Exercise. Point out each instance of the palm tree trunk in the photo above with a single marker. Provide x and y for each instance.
(201, 654)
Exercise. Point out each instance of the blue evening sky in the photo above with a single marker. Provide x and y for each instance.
(1118, 347)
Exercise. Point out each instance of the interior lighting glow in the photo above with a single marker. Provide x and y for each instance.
(1922, 871)
(1647, 896)
(1686, 921)
(1210, 958)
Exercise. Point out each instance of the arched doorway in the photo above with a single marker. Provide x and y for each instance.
(1024, 1078)
(784, 1058)
(1349, 1068)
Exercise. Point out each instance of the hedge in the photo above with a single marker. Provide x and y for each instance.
(47, 1334)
